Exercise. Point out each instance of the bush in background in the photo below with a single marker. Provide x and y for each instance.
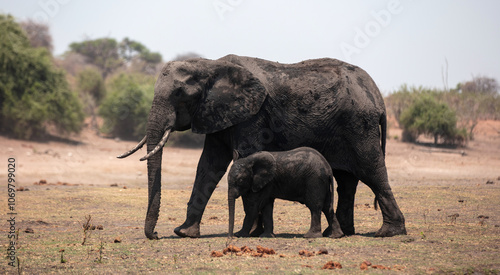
(125, 109)
(429, 117)
(34, 94)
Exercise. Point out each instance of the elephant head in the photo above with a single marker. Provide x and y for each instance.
(246, 175)
(206, 96)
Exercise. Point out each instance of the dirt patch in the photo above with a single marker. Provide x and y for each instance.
(450, 202)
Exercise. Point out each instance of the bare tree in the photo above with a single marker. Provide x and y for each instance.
(38, 34)
(480, 86)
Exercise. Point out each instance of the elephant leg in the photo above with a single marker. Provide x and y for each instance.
(258, 226)
(333, 230)
(393, 219)
(315, 229)
(346, 190)
(251, 214)
(267, 219)
(213, 164)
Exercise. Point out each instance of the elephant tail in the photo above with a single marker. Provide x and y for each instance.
(383, 131)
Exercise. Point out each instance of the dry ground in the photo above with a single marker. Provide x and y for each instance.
(442, 193)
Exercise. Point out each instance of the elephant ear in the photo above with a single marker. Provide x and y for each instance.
(264, 170)
(231, 96)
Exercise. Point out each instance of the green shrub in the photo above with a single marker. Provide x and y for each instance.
(33, 92)
(125, 109)
(90, 82)
(429, 117)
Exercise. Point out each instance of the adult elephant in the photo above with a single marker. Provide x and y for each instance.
(246, 105)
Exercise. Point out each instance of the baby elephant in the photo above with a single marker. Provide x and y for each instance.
(302, 175)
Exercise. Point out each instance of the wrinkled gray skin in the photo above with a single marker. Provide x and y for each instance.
(301, 175)
(251, 105)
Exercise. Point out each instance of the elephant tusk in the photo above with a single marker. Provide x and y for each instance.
(159, 146)
(137, 147)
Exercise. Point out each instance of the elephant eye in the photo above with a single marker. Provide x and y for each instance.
(178, 92)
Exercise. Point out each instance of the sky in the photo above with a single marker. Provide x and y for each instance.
(422, 43)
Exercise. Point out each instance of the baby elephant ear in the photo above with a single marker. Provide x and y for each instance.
(231, 96)
(264, 170)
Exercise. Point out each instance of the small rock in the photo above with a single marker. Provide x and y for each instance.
(306, 253)
(231, 249)
(490, 182)
(29, 230)
(265, 250)
(380, 267)
(117, 240)
(216, 254)
(332, 265)
(323, 251)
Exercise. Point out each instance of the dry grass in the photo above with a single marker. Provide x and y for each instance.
(442, 196)
(435, 242)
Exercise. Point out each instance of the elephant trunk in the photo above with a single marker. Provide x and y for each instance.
(154, 192)
(158, 130)
(231, 199)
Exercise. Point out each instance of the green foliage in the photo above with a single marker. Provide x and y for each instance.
(471, 101)
(102, 52)
(33, 93)
(126, 107)
(108, 55)
(90, 82)
(429, 117)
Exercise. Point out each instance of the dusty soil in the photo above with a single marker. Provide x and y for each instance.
(446, 195)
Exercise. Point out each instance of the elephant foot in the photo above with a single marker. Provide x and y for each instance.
(192, 231)
(152, 236)
(313, 235)
(389, 230)
(331, 233)
(267, 235)
(241, 234)
(348, 231)
(257, 231)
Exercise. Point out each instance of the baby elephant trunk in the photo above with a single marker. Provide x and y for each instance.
(232, 194)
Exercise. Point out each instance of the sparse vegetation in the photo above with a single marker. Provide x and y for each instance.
(87, 227)
(455, 247)
(450, 115)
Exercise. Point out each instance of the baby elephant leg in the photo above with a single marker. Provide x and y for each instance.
(267, 218)
(333, 230)
(315, 230)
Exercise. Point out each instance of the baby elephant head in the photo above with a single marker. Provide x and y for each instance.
(248, 174)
